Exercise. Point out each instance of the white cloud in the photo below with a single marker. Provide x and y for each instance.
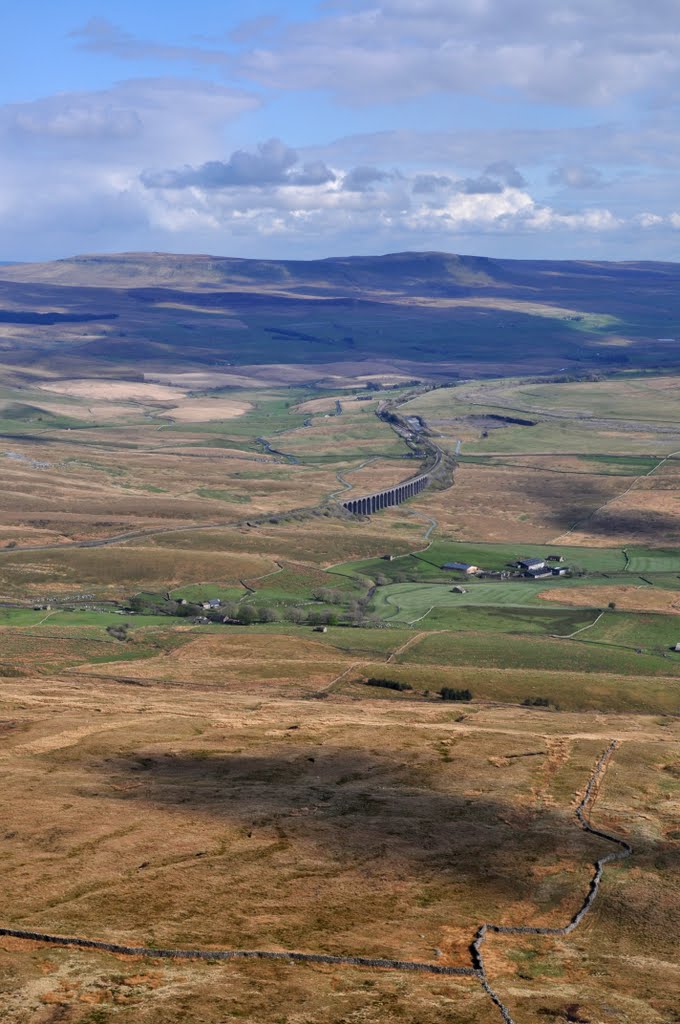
(574, 52)
(132, 118)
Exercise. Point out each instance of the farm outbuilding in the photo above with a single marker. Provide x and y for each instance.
(528, 564)
(541, 572)
(461, 567)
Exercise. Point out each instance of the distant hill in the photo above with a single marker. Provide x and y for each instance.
(148, 310)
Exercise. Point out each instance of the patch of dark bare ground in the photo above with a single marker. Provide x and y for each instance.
(386, 815)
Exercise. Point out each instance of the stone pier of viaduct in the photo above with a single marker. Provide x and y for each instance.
(370, 503)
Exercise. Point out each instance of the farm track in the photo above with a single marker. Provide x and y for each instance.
(476, 970)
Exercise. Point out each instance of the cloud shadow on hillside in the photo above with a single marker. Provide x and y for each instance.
(355, 807)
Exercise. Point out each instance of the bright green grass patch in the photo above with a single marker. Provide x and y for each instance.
(77, 619)
(426, 565)
(568, 437)
(407, 601)
(536, 621)
(642, 560)
(402, 569)
(508, 651)
(646, 631)
(195, 593)
(624, 465)
(499, 556)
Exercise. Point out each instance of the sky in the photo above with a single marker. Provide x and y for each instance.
(532, 129)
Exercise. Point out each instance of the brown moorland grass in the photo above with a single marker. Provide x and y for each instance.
(255, 662)
(119, 571)
(165, 815)
(535, 505)
(114, 389)
(323, 541)
(627, 598)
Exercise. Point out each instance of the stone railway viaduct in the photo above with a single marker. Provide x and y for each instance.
(371, 503)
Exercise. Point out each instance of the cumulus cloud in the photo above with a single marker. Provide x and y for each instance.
(272, 163)
(507, 173)
(577, 176)
(483, 185)
(363, 178)
(428, 184)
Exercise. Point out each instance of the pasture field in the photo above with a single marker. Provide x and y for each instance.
(482, 651)
(504, 619)
(407, 600)
(649, 632)
(647, 398)
(426, 563)
(641, 560)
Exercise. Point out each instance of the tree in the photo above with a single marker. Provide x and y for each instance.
(247, 615)
(450, 693)
(268, 615)
(296, 615)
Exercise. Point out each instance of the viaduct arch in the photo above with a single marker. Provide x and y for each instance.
(370, 503)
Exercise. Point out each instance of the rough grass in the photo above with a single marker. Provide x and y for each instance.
(376, 827)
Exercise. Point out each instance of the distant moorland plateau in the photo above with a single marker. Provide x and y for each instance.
(445, 313)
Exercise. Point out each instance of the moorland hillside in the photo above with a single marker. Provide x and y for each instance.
(441, 312)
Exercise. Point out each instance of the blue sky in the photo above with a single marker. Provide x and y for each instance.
(496, 127)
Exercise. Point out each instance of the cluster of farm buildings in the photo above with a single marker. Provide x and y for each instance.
(531, 568)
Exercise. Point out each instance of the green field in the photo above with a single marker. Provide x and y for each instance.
(478, 618)
(77, 619)
(642, 560)
(426, 565)
(485, 651)
(406, 602)
(638, 630)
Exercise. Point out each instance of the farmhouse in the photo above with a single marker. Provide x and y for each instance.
(554, 558)
(469, 570)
